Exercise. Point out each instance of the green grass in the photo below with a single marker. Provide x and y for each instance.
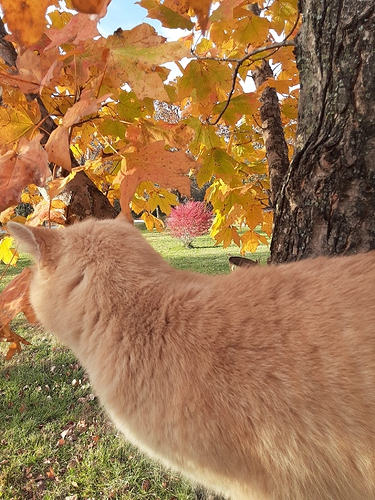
(55, 440)
(203, 257)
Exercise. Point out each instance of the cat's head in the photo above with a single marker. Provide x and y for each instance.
(85, 267)
(57, 270)
(41, 243)
(69, 262)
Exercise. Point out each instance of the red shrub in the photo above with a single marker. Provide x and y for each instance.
(189, 220)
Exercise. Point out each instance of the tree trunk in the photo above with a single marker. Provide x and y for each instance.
(273, 133)
(327, 200)
(86, 200)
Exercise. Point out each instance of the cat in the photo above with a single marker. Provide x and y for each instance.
(259, 384)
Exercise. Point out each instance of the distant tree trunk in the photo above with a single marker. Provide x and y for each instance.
(327, 199)
(86, 200)
(273, 133)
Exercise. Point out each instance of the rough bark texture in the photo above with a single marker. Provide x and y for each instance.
(327, 201)
(273, 133)
(86, 200)
(7, 51)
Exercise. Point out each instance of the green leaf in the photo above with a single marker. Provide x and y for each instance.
(253, 30)
(113, 128)
(205, 135)
(205, 78)
(244, 104)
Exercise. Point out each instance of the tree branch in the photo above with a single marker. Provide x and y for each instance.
(239, 62)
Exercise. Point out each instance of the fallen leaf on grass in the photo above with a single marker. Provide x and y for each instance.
(7, 335)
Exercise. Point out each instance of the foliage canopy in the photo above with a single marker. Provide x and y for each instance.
(141, 114)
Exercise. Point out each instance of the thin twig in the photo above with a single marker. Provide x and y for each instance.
(239, 62)
(265, 48)
(274, 47)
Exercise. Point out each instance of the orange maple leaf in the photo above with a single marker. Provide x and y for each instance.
(153, 163)
(25, 19)
(8, 335)
(91, 6)
(58, 148)
(15, 298)
(17, 170)
(202, 11)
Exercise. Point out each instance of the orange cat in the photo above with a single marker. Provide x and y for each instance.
(259, 384)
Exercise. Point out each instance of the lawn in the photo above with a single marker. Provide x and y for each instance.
(55, 440)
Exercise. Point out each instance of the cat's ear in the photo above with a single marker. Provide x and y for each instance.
(32, 240)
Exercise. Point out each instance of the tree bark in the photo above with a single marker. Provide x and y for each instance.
(327, 199)
(273, 133)
(86, 200)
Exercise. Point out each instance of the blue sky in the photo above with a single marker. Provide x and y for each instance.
(124, 14)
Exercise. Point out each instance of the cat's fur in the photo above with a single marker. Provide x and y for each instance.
(259, 384)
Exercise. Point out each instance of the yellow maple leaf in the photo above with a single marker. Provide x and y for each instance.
(25, 19)
(250, 242)
(8, 254)
(152, 222)
(267, 224)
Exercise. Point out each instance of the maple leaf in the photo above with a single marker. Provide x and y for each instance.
(34, 70)
(225, 10)
(135, 57)
(205, 80)
(47, 212)
(91, 6)
(58, 148)
(250, 242)
(80, 28)
(166, 15)
(202, 11)
(87, 105)
(15, 299)
(154, 163)
(8, 335)
(253, 29)
(152, 222)
(56, 186)
(17, 170)
(16, 121)
(8, 254)
(25, 19)
(267, 224)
